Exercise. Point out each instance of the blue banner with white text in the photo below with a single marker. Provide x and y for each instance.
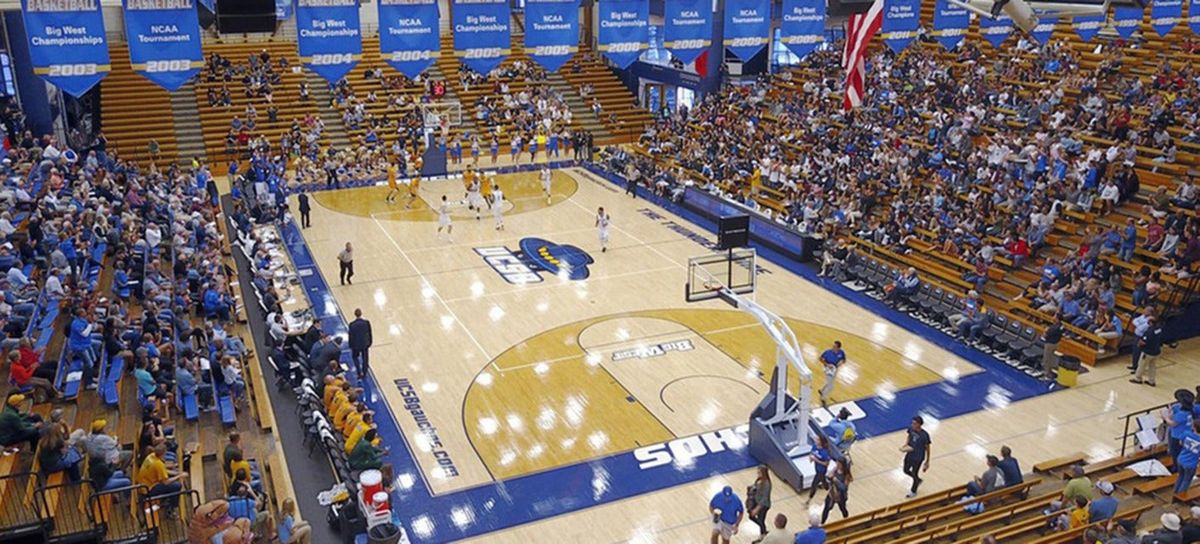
(1088, 26)
(1045, 27)
(995, 30)
(330, 39)
(687, 28)
(1165, 14)
(283, 9)
(624, 30)
(164, 40)
(482, 34)
(747, 26)
(410, 36)
(1193, 17)
(67, 43)
(803, 26)
(551, 31)
(950, 23)
(211, 5)
(901, 21)
(1127, 19)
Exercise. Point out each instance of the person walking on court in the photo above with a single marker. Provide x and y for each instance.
(1150, 345)
(839, 490)
(360, 344)
(346, 265)
(305, 210)
(831, 359)
(916, 450)
(820, 458)
(758, 500)
(727, 511)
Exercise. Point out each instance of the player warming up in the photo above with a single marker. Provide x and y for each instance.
(393, 185)
(546, 179)
(475, 197)
(602, 222)
(444, 220)
(415, 184)
(498, 206)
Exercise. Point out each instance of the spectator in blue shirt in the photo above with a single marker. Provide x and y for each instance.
(79, 343)
(121, 282)
(1179, 419)
(1009, 467)
(832, 359)
(814, 534)
(727, 511)
(1129, 241)
(1105, 506)
(1189, 454)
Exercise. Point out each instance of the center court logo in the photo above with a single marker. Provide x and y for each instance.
(534, 257)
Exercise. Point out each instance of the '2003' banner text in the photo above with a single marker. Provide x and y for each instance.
(66, 42)
(164, 40)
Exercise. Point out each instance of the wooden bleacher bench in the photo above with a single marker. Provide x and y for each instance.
(891, 511)
(1073, 535)
(1045, 467)
(281, 480)
(972, 523)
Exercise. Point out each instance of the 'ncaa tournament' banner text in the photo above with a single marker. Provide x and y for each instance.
(164, 40)
(747, 26)
(950, 23)
(803, 27)
(624, 30)
(330, 39)
(687, 29)
(482, 35)
(551, 31)
(409, 34)
(66, 42)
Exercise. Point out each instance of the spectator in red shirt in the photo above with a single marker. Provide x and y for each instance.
(1018, 251)
(23, 376)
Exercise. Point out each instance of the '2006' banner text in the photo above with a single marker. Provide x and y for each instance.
(66, 42)
(164, 40)
(687, 29)
(624, 30)
(409, 34)
(482, 36)
(330, 39)
(551, 31)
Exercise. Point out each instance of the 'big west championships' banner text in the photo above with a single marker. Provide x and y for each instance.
(624, 30)
(482, 37)
(164, 40)
(901, 18)
(803, 26)
(409, 34)
(330, 38)
(687, 30)
(747, 26)
(551, 31)
(66, 42)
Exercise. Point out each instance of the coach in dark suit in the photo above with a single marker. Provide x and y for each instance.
(326, 350)
(304, 210)
(360, 343)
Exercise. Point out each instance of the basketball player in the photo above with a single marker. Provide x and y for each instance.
(415, 184)
(498, 206)
(546, 179)
(602, 222)
(393, 186)
(474, 198)
(444, 220)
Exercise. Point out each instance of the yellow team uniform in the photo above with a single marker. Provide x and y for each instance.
(391, 175)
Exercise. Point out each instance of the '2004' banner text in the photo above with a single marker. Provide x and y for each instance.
(164, 40)
(66, 42)
(409, 34)
(330, 39)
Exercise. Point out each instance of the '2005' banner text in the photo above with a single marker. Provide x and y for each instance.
(624, 30)
(66, 42)
(409, 34)
(687, 29)
(330, 37)
(164, 40)
(551, 31)
(482, 36)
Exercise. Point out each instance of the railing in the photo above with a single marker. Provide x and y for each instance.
(169, 515)
(118, 517)
(61, 506)
(1132, 416)
(18, 509)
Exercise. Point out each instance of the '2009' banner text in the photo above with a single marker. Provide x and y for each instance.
(482, 36)
(747, 26)
(66, 42)
(330, 39)
(551, 31)
(409, 34)
(624, 30)
(164, 40)
(687, 29)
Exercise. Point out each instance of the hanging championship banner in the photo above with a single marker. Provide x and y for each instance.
(410, 36)
(1127, 19)
(551, 31)
(1165, 14)
(1088, 26)
(687, 28)
(624, 30)
(747, 26)
(283, 9)
(210, 4)
(995, 30)
(482, 37)
(1045, 27)
(803, 26)
(950, 23)
(164, 40)
(66, 43)
(1194, 17)
(330, 39)
(901, 19)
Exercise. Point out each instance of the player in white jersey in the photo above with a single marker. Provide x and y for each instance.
(444, 219)
(547, 177)
(602, 222)
(498, 206)
(475, 198)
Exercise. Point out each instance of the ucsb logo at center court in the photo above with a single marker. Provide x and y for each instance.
(535, 256)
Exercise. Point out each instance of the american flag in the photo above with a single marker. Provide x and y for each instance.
(859, 32)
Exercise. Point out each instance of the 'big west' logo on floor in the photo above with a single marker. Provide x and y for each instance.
(535, 256)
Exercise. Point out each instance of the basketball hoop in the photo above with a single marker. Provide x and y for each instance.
(720, 275)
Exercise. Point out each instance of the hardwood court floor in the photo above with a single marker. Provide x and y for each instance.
(517, 379)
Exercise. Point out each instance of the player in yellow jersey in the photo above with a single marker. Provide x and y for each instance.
(415, 185)
(393, 185)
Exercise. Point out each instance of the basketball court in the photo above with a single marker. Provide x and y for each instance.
(522, 375)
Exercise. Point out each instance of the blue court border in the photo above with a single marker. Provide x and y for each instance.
(503, 504)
